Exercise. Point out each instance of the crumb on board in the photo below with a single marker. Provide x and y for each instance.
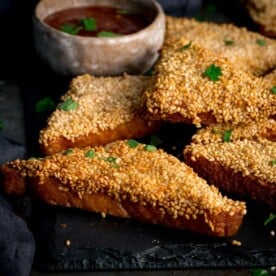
(68, 243)
(63, 225)
(236, 243)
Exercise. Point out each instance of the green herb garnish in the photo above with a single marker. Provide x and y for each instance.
(90, 154)
(259, 272)
(132, 143)
(273, 162)
(70, 28)
(269, 219)
(227, 135)
(273, 90)
(46, 104)
(150, 148)
(68, 104)
(155, 140)
(228, 42)
(89, 24)
(261, 42)
(107, 34)
(200, 18)
(111, 159)
(68, 151)
(123, 11)
(186, 46)
(1, 124)
(213, 72)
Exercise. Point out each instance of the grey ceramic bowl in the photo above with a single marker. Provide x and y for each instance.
(74, 55)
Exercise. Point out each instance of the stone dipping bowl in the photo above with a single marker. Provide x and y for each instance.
(72, 55)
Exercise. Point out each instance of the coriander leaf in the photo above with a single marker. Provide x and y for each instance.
(261, 42)
(132, 143)
(89, 24)
(227, 135)
(107, 34)
(149, 148)
(1, 124)
(45, 104)
(273, 90)
(269, 219)
(68, 151)
(70, 29)
(90, 154)
(213, 72)
(68, 104)
(186, 46)
(228, 42)
(273, 162)
(155, 140)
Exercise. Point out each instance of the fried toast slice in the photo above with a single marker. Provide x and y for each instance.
(247, 50)
(131, 180)
(193, 85)
(98, 110)
(239, 160)
(263, 13)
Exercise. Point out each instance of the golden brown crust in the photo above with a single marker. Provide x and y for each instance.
(243, 165)
(136, 128)
(127, 181)
(238, 45)
(109, 109)
(263, 12)
(180, 91)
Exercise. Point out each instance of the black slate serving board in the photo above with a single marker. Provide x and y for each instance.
(110, 243)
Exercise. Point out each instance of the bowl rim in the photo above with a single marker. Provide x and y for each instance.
(160, 16)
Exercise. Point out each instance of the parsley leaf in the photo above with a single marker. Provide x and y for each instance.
(68, 151)
(132, 143)
(259, 272)
(269, 219)
(186, 46)
(273, 162)
(123, 11)
(89, 24)
(107, 34)
(1, 124)
(90, 154)
(228, 42)
(70, 29)
(261, 42)
(150, 148)
(213, 72)
(45, 104)
(68, 104)
(273, 90)
(227, 135)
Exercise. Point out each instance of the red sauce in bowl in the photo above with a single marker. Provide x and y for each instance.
(97, 21)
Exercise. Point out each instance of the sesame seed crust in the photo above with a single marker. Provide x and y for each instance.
(263, 12)
(244, 165)
(244, 52)
(252, 131)
(137, 178)
(180, 92)
(109, 108)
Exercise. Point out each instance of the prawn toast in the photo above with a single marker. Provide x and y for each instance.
(131, 180)
(98, 110)
(249, 51)
(193, 85)
(239, 160)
